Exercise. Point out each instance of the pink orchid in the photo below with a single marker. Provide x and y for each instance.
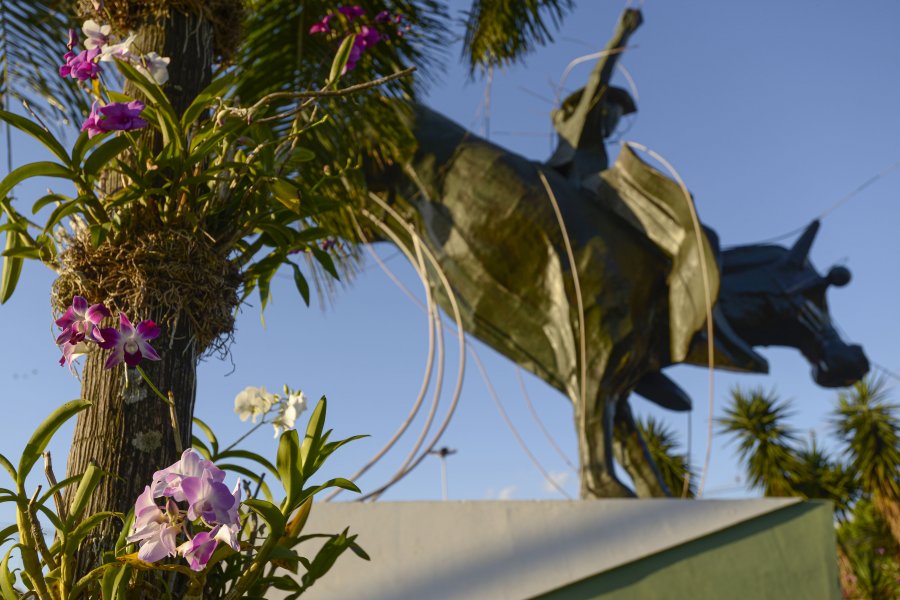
(351, 12)
(154, 528)
(115, 116)
(199, 550)
(129, 344)
(80, 322)
(82, 66)
(322, 26)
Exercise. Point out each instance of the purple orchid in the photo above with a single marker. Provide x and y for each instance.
(322, 26)
(129, 344)
(154, 528)
(167, 482)
(198, 482)
(81, 321)
(73, 39)
(81, 66)
(199, 550)
(383, 17)
(115, 116)
(351, 12)
(208, 499)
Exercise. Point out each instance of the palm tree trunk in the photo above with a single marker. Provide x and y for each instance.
(128, 431)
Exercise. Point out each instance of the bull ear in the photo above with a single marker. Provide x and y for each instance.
(798, 253)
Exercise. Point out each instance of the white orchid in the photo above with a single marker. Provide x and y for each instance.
(253, 402)
(152, 65)
(288, 411)
(95, 35)
(121, 50)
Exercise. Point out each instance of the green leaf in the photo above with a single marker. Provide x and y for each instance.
(336, 482)
(12, 268)
(35, 169)
(41, 436)
(37, 132)
(310, 447)
(45, 200)
(301, 283)
(198, 445)
(270, 514)
(247, 455)
(60, 212)
(254, 477)
(326, 261)
(207, 430)
(287, 193)
(290, 469)
(340, 59)
(61, 485)
(103, 154)
(79, 533)
(112, 586)
(169, 125)
(23, 252)
(7, 579)
(7, 532)
(89, 482)
(214, 90)
(326, 557)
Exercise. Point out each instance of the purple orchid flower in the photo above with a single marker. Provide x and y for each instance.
(73, 39)
(80, 322)
(81, 66)
(369, 36)
(115, 116)
(383, 17)
(129, 344)
(351, 12)
(208, 499)
(199, 550)
(154, 528)
(167, 482)
(322, 26)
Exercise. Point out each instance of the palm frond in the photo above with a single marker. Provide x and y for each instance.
(818, 475)
(868, 424)
(673, 466)
(757, 420)
(32, 42)
(500, 32)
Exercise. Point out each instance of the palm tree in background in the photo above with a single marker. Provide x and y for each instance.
(266, 45)
(861, 479)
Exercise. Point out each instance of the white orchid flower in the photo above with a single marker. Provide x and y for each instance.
(95, 35)
(288, 411)
(253, 402)
(152, 65)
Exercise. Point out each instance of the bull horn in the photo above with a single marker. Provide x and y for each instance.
(798, 253)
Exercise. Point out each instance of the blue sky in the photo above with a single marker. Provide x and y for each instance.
(770, 112)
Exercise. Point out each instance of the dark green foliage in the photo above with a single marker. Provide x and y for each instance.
(499, 32)
(861, 480)
(757, 420)
(673, 467)
(867, 423)
(32, 43)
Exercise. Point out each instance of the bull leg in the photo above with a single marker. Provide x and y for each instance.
(594, 425)
(632, 453)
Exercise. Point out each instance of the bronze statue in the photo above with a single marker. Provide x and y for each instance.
(485, 214)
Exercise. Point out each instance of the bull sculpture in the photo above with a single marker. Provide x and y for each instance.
(490, 220)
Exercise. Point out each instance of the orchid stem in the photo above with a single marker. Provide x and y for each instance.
(170, 401)
(245, 436)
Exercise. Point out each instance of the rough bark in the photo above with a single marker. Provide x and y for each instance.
(128, 431)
